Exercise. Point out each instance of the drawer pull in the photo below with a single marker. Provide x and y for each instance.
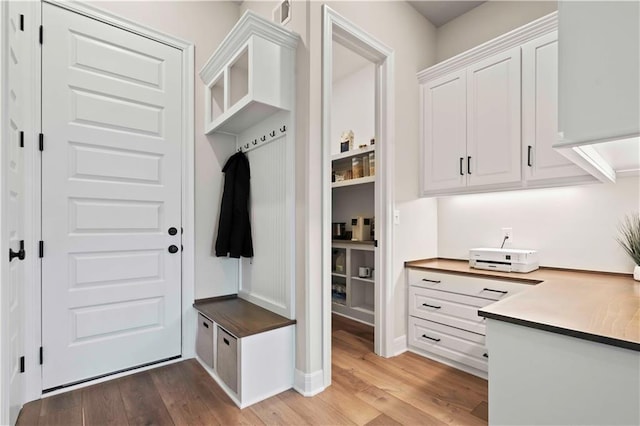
(431, 306)
(495, 291)
(430, 338)
(205, 324)
(226, 342)
(431, 281)
(486, 355)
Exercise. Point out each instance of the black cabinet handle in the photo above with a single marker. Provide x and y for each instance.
(495, 291)
(430, 338)
(226, 342)
(431, 306)
(461, 172)
(486, 355)
(205, 324)
(172, 231)
(529, 155)
(469, 164)
(173, 249)
(431, 281)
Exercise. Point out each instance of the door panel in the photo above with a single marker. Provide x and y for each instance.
(14, 174)
(445, 139)
(493, 113)
(540, 112)
(111, 189)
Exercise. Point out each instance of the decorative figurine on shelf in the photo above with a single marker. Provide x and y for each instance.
(372, 141)
(346, 141)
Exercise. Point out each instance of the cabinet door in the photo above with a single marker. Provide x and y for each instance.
(493, 120)
(540, 112)
(444, 132)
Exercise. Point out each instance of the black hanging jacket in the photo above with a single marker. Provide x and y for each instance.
(234, 229)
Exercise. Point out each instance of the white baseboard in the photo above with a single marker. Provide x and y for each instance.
(399, 345)
(308, 384)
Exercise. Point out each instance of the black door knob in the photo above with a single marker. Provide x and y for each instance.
(173, 249)
(173, 231)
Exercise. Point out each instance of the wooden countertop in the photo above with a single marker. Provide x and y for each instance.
(597, 306)
(239, 317)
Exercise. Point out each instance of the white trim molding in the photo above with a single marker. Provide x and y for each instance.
(337, 28)
(400, 345)
(308, 384)
(514, 38)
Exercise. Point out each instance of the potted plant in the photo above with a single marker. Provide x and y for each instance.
(629, 239)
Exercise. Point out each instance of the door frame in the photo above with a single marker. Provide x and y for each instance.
(336, 27)
(33, 217)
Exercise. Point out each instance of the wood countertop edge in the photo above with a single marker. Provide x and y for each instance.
(598, 338)
(232, 328)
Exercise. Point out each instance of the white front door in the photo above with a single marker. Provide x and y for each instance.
(14, 174)
(111, 179)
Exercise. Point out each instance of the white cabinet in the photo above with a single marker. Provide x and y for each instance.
(250, 76)
(471, 125)
(493, 120)
(490, 116)
(444, 132)
(353, 295)
(443, 322)
(540, 113)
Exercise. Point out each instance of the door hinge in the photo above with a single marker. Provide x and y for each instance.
(22, 364)
(41, 249)
(21, 22)
(375, 243)
(21, 139)
(41, 355)
(40, 35)
(41, 142)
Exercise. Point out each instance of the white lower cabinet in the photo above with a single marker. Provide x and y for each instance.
(443, 321)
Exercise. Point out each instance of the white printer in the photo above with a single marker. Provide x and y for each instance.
(505, 260)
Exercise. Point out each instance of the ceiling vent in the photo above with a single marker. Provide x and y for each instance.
(282, 12)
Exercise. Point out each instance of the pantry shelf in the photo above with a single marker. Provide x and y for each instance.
(358, 181)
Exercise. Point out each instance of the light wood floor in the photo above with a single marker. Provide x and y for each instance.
(366, 389)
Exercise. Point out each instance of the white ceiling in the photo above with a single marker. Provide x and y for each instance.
(441, 12)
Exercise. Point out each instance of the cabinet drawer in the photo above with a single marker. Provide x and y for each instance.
(423, 304)
(227, 359)
(465, 285)
(457, 345)
(204, 340)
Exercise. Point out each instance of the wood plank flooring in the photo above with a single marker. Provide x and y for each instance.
(366, 390)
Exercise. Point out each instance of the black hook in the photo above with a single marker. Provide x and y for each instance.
(283, 129)
(239, 149)
(246, 146)
(273, 133)
(255, 142)
(263, 138)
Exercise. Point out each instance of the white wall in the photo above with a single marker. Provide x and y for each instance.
(352, 201)
(353, 107)
(571, 227)
(205, 24)
(485, 22)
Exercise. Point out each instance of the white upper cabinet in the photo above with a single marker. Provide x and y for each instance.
(493, 120)
(599, 70)
(444, 132)
(599, 83)
(540, 113)
(249, 77)
(490, 116)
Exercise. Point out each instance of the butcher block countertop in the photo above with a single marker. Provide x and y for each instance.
(239, 317)
(597, 306)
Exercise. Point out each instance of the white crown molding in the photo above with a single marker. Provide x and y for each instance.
(537, 28)
(249, 24)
